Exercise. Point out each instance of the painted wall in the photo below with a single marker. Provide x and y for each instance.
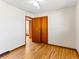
(12, 27)
(77, 26)
(61, 27)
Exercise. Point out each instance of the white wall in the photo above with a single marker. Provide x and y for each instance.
(77, 26)
(61, 27)
(12, 27)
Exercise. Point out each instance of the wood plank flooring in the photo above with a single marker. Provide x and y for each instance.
(16, 54)
(41, 51)
(44, 51)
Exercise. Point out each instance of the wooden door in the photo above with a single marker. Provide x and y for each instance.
(44, 28)
(40, 29)
(36, 30)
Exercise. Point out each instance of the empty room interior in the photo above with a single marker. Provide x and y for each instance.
(39, 29)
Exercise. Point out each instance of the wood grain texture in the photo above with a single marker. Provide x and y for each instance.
(40, 29)
(36, 30)
(44, 51)
(41, 51)
(44, 27)
(15, 54)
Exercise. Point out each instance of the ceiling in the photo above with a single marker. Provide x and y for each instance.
(45, 5)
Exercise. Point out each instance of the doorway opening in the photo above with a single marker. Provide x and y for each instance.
(28, 28)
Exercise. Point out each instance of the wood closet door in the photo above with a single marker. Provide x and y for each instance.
(44, 28)
(36, 30)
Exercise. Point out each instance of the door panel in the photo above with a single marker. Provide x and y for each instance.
(44, 29)
(36, 30)
(40, 29)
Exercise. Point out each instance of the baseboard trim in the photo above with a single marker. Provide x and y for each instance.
(77, 52)
(4, 53)
(66, 48)
(62, 46)
(17, 48)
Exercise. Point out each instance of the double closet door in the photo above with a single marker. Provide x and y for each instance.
(40, 29)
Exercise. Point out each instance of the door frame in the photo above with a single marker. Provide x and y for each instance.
(26, 19)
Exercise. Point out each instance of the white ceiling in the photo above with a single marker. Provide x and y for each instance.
(45, 5)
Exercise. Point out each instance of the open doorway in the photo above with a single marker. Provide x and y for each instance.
(28, 28)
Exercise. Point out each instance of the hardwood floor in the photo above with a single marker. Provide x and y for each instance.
(41, 51)
(16, 54)
(44, 51)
